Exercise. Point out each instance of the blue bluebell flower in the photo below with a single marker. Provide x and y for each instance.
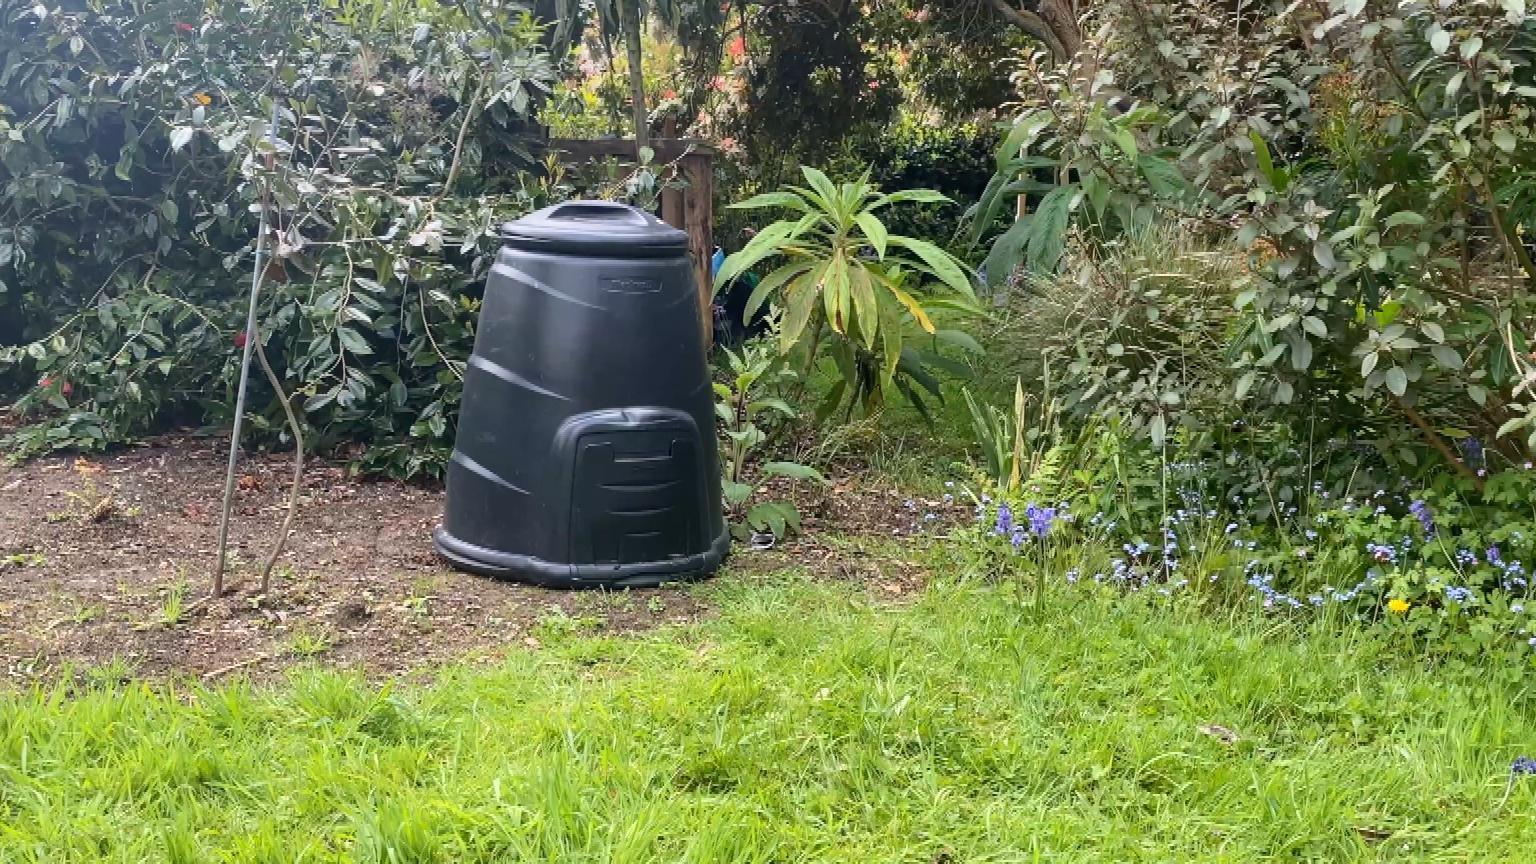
(1421, 512)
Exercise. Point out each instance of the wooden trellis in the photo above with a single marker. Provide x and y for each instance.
(690, 208)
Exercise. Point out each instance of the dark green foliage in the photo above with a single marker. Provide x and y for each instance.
(134, 158)
(954, 159)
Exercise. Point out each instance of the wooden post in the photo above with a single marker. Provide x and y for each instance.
(671, 196)
(690, 209)
(699, 222)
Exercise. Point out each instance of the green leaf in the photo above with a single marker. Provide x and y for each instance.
(1048, 231)
(1504, 140)
(1007, 252)
(318, 401)
(1397, 380)
(1023, 131)
(181, 136)
(960, 339)
(1439, 39)
(1447, 357)
(734, 492)
(865, 311)
(914, 196)
(799, 306)
(1404, 217)
(912, 305)
(945, 266)
(1125, 141)
(794, 471)
(771, 404)
(1164, 178)
(890, 338)
(787, 200)
(1098, 191)
(835, 293)
(771, 284)
(1301, 354)
(768, 242)
(823, 187)
(352, 341)
(874, 229)
(1245, 383)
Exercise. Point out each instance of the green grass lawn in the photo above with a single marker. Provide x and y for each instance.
(802, 724)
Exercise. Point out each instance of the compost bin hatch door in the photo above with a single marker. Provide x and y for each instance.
(635, 494)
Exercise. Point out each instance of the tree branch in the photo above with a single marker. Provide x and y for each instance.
(1032, 24)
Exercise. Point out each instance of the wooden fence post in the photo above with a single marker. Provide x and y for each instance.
(691, 209)
(699, 219)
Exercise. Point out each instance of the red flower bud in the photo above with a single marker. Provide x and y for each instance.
(67, 389)
(45, 382)
(240, 339)
(185, 27)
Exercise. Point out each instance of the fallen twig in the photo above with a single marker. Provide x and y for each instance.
(223, 670)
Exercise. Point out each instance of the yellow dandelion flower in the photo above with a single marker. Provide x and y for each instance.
(1398, 604)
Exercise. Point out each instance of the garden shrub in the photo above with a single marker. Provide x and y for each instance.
(1337, 417)
(135, 159)
(1374, 159)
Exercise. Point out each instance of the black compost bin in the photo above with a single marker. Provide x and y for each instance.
(586, 451)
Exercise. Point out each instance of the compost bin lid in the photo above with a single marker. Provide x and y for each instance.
(595, 227)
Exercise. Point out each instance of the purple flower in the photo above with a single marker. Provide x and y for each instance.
(1040, 519)
(1004, 525)
(1421, 512)
(1473, 448)
(1523, 766)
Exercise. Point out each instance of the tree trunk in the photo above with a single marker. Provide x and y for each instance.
(630, 12)
(1052, 22)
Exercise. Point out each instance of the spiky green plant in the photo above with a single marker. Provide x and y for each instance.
(843, 272)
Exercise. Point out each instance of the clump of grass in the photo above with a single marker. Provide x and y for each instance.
(306, 642)
(174, 607)
(804, 723)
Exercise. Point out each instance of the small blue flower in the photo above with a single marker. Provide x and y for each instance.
(1523, 766)
(1421, 512)
(1040, 519)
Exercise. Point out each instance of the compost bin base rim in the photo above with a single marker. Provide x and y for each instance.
(535, 571)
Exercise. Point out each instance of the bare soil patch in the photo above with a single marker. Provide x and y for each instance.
(109, 559)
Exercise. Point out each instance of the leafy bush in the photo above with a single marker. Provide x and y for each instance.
(749, 413)
(954, 160)
(1376, 162)
(136, 159)
(847, 274)
(1139, 325)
